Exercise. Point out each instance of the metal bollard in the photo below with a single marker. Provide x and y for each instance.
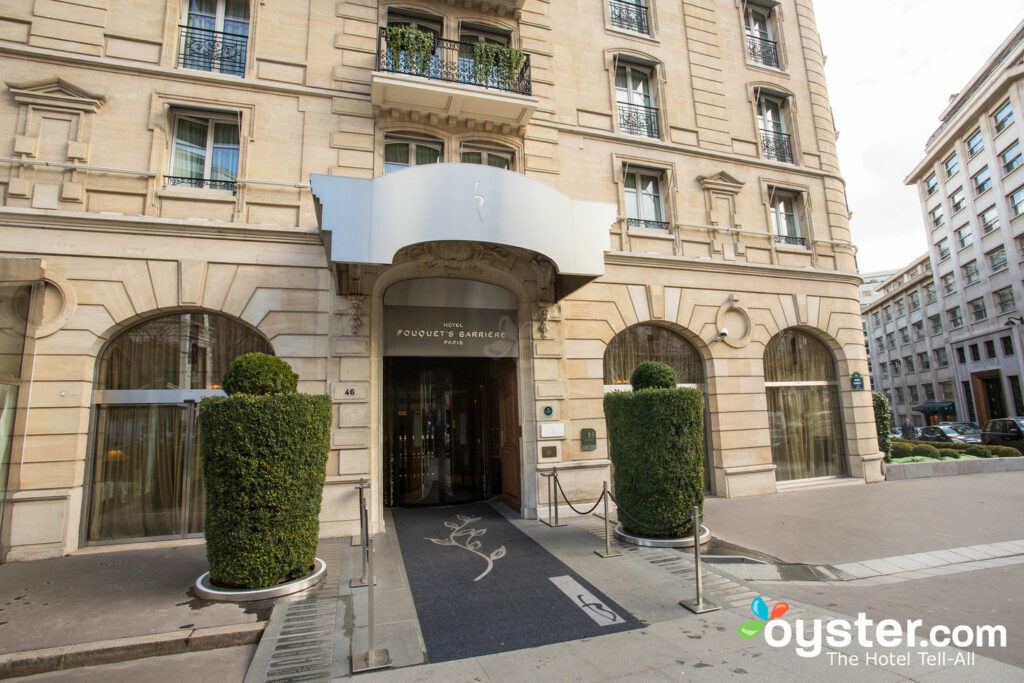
(698, 605)
(608, 552)
(372, 659)
(364, 533)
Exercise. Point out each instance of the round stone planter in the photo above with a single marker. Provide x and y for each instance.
(207, 591)
(685, 542)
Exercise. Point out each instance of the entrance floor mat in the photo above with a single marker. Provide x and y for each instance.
(481, 586)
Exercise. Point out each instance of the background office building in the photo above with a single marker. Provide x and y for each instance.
(908, 350)
(971, 184)
(464, 221)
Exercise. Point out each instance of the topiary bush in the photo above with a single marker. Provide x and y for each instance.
(901, 449)
(259, 374)
(925, 451)
(883, 421)
(264, 464)
(948, 453)
(656, 444)
(652, 374)
(1004, 451)
(979, 451)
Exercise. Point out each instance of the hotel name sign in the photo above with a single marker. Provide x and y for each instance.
(463, 332)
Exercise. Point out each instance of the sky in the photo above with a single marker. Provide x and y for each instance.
(891, 67)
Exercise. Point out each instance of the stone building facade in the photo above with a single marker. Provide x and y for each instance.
(971, 186)
(588, 185)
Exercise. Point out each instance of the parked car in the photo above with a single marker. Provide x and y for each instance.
(1006, 431)
(950, 434)
(971, 425)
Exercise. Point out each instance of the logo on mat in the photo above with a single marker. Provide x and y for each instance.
(760, 610)
(467, 534)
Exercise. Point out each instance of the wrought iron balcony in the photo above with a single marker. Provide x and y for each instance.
(207, 50)
(629, 15)
(791, 239)
(644, 223)
(776, 146)
(763, 51)
(637, 119)
(454, 62)
(185, 181)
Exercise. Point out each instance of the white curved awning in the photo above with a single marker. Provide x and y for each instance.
(369, 221)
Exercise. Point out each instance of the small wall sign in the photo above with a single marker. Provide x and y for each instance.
(856, 382)
(588, 440)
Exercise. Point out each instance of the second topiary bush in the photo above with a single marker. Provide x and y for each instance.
(653, 375)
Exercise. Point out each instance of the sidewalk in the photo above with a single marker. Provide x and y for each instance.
(142, 596)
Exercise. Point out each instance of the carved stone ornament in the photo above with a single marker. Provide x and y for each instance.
(355, 311)
(541, 316)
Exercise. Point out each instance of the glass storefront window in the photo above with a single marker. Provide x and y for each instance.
(803, 407)
(640, 343)
(147, 469)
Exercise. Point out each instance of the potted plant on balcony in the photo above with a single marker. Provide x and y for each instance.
(417, 46)
(497, 61)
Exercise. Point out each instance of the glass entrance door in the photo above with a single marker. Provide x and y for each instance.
(435, 423)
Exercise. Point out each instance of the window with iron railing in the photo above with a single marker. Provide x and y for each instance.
(631, 16)
(759, 29)
(931, 184)
(783, 209)
(635, 101)
(982, 181)
(775, 140)
(935, 322)
(1017, 202)
(642, 193)
(215, 36)
(996, 259)
(204, 151)
(957, 201)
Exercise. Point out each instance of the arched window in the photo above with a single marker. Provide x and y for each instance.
(803, 407)
(146, 477)
(644, 342)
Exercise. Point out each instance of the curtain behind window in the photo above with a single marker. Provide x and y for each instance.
(640, 343)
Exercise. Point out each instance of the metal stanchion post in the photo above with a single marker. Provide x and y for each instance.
(608, 552)
(372, 659)
(552, 504)
(554, 490)
(698, 605)
(364, 533)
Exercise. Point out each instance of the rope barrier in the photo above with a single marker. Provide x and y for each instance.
(620, 509)
(573, 507)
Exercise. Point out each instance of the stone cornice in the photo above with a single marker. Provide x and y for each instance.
(621, 258)
(149, 226)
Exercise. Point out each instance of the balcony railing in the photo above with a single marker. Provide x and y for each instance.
(454, 62)
(185, 181)
(629, 15)
(207, 50)
(637, 119)
(644, 223)
(776, 146)
(791, 239)
(763, 51)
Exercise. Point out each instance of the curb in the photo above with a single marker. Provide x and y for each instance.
(947, 468)
(30, 662)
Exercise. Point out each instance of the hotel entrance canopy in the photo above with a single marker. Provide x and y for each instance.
(367, 221)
